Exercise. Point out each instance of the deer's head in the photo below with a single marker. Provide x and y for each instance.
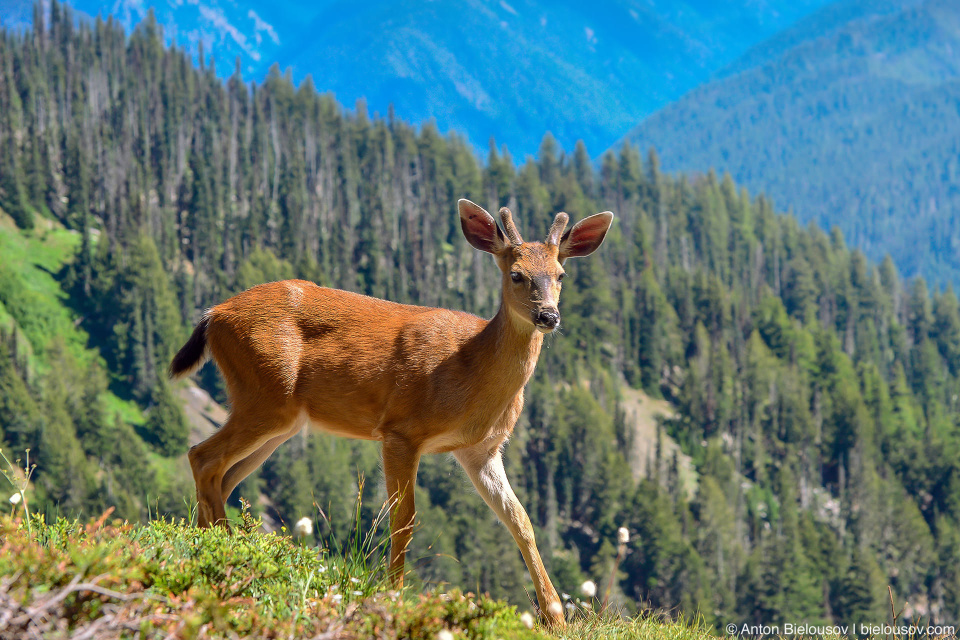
(532, 271)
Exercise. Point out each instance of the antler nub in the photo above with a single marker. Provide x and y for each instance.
(556, 229)
(512, 234)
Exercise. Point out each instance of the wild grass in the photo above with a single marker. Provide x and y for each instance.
(171, 580)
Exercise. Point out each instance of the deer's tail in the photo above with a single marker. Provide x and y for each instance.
(194, 353)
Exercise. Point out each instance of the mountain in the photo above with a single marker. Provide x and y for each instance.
(512, 71)
(850, 118)
(509, 70)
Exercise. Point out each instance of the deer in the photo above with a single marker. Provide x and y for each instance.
(418, 379)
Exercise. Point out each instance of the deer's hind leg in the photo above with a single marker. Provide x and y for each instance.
(244, 435)
(246, 466)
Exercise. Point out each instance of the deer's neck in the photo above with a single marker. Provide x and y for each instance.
(513, 345)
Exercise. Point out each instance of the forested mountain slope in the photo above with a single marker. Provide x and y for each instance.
(848, 119)
(816, 394)
(485, 68)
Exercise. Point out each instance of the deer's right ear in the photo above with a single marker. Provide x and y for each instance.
(479, 227)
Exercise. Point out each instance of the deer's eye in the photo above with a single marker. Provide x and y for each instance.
(516, 276)
(561, 277)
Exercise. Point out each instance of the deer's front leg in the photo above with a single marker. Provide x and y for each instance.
(485, 468)
(400, 462)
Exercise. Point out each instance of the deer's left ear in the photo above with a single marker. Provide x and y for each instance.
(585, 237)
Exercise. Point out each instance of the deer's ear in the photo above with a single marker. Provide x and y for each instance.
(585, 237)
(479, 227)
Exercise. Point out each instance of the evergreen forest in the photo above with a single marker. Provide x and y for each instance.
(810, 457)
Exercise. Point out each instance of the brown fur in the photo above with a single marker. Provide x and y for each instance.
(419, 379)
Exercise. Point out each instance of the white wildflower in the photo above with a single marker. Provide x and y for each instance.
(527, 620)
(444, 635)
(355, 580)
(357, 593)
(304, 527)
(16, 498)
(589, 588)
(555, 609)
(623, 535)
(337, 598)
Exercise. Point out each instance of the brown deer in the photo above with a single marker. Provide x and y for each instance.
(418, 379)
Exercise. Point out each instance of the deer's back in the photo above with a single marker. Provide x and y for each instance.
(344, 360)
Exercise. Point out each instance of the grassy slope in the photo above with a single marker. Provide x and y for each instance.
(171, 580)
(645, 413)
(30, 298)
(33, 303)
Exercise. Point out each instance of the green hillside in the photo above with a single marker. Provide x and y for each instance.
(811, 454)
(55, 397)
(32, 301)
(847, 119)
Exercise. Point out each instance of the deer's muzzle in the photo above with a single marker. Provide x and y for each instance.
(547, 320)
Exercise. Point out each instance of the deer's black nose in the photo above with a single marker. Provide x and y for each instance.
(548, 318)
